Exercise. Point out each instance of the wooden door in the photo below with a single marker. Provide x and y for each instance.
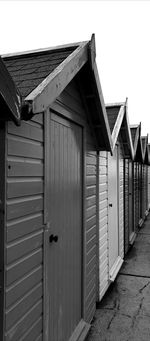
(65, 216)
(131, 225)
(113, 209)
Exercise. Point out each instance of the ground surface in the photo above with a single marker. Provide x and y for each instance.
(124, 312)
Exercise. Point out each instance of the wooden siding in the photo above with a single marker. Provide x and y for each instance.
(126, 204)
(136, 195)
(70, 105)
(121, 204)
(148, 187)
(103, 259)
(24, 231)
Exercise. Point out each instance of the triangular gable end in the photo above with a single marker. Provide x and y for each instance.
(80, 61)
(144, 144)
(119, 125)
(138, 154)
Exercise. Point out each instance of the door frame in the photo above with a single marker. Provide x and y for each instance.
(47, 224)
(115, 268)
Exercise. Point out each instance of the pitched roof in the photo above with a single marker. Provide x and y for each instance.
(119, 126)
(28, 70)
(10, 101)
(42, 75)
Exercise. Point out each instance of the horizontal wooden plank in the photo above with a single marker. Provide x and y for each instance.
(90, 244)
(90, 180)
(90, 160)
(26, 130)
(90, 170)
(24, 148)
(22, 287)
(91, 211)
(103, 196)
(90, 201)
(21, 267)
(103, 154)
(103, 221)
(90, 190)
(103, 188)
(35, 332)
(90, 233)
(24, 168)
(24, 187)
(103, 170)
(24, 324)
(103, 179)
(103, 204)
(103, 213)
(22, 306)
(91, 253)
(91, 222)
(21, 227)
(23, 207)
(23, 246)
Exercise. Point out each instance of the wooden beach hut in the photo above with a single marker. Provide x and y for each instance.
(144, 178)
(138, 160)
(148, 151)
(111, 194)
(48, 194)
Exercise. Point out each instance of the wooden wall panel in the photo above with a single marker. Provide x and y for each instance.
(24, 231)
(103, 257)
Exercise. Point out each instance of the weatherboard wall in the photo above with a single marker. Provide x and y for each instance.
(103, 255)
(24, 231)
(104, 251)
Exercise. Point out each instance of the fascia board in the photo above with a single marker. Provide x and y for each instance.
(52, 86)
(129, 135)
(99, 89)
(117, 125)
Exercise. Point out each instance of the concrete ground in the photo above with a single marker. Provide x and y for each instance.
(124, 312)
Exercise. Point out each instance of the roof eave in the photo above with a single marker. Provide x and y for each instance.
(52, 86)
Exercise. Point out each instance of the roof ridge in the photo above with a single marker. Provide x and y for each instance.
(40, 50)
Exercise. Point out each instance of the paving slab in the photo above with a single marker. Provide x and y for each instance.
(124, 312)
(124, 308)
(137, 261)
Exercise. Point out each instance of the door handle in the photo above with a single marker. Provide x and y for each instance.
(53, 238)
(110, 205)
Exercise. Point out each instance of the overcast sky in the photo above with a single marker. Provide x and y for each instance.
(122, 30)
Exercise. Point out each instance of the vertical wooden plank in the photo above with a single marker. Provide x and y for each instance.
(2, 221)
(46, 227)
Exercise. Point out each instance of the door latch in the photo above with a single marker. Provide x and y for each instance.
(53, 238)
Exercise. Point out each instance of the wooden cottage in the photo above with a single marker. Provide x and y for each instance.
(48, 192)
(144, 178)
(111, 196)
(138, 160)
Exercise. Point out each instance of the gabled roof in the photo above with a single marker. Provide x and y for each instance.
(119, 126)
(10, 100)
(136, 140)
(42, 75)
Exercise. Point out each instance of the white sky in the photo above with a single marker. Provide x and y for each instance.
(122, 30)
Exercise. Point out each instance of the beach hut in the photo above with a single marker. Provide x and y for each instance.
(138, 160)
(148, 150)
(48, 193)
(144, 178)
(111, 196)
